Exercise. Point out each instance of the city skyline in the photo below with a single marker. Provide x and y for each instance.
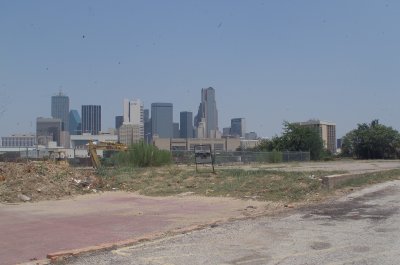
(269, 61)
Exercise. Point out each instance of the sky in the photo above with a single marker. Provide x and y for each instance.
(269, 61)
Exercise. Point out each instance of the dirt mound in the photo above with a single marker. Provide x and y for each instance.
(36, 181)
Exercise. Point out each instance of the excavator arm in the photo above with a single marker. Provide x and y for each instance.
(103, 146)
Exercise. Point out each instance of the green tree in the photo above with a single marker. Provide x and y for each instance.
(296, 138)
(302, 138)
(270, 144)
(371, 141)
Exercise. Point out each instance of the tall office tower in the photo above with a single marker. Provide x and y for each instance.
(146, 115)
(186, 122)
(75, 123)
(48, 130)
(91, 119)
(119, 120)
(175, 129)
(327, 131)
(161, 120)
(226, 131)
(238, 127)
(208, 112)
(134, 114)
(147, 126)
(60, 109)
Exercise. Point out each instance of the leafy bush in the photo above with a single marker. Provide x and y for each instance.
(142, 155)
(275, 157)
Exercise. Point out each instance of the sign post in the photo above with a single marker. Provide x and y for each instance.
(203, 155)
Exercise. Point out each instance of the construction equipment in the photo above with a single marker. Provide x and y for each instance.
(94, 146)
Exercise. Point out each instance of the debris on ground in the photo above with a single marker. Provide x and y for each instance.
(24, 198)
(44, 180)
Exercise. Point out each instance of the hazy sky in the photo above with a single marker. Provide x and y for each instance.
(269, 61)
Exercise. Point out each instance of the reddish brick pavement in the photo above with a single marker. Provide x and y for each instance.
(32, 230)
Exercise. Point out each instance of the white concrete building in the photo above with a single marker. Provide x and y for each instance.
(134, 114)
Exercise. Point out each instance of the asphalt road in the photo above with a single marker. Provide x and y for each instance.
(361, 228)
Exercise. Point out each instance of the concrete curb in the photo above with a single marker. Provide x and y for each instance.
(333, 181)
(64, 255)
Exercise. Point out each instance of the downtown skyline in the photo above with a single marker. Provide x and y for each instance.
(268, 61)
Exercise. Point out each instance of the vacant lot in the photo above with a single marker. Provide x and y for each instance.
(36, 181)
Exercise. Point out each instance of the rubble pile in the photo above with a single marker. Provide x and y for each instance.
(38, 180)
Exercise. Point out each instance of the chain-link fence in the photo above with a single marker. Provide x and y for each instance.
(187, 157)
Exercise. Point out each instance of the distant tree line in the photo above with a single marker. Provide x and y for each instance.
(371, 141)
(296, 138)
(368, 141)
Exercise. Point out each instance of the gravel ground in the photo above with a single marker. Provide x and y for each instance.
(360, 228)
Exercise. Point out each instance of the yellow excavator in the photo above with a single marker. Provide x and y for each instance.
(93, 146)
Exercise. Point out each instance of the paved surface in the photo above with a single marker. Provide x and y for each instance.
(32, 230)
(362, 228)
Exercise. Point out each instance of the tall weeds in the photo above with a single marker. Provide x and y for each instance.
(142, 155)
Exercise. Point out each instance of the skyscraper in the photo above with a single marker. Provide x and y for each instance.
(186, 123)
(208, 112)
(60, 109)
(48, 130)
(75, 123)
(134, 114)
(238, 127)
(147, 126)
(161, 120)
(91, 119)
(175, 130)
(146, 115)
(119, 120)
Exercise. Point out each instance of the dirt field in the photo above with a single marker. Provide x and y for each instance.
(38, 181)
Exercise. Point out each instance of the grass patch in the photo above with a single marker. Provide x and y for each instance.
(142, 155)
(371, 178)
(261, 184)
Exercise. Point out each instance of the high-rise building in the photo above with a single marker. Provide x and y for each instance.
(208, 113)
(238, 127)
(147, 126)
(75, 123)
(119, 120)
(161, 120)
(134, 114)
(327, 131)
(226, 131)
(91, 119)
(339, 143)
(48, 130)
(146, 115)
(186, 123)
(175, 129)
(60, 109)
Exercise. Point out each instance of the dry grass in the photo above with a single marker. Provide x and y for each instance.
(258, 184)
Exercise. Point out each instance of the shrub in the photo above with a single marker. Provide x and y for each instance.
(142, 155)
(275, 157)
